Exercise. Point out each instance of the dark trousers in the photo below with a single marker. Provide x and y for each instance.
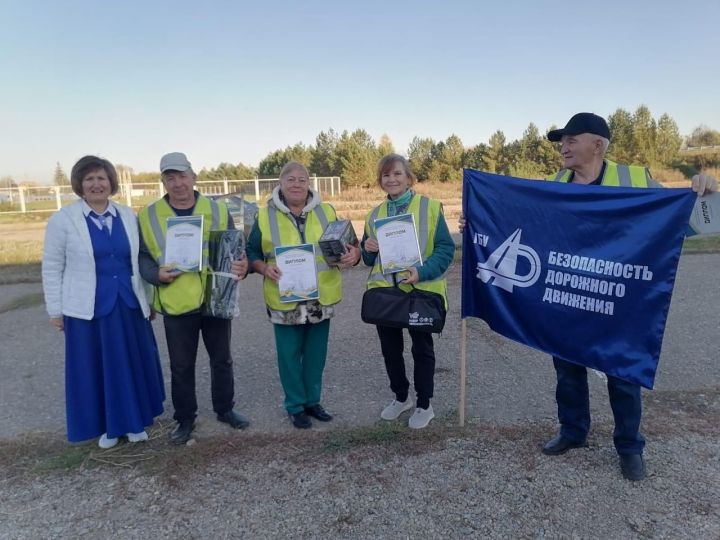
(182, 333)
(573, 401)
(392, 345)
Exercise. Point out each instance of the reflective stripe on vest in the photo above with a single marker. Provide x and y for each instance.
(614, 175)
(426, 212)
(421, 223)
(186, 292)
(275, 234)
(272, 224)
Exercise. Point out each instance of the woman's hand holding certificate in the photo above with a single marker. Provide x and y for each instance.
(298, 274)
(398, 243)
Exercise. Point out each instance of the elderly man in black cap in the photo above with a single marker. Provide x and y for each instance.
(583, 144)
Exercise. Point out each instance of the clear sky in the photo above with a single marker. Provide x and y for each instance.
(234, 80)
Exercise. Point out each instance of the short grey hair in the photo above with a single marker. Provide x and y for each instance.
(605, 144)
(190, 170)
(291, 166)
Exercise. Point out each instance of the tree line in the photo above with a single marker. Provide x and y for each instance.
(638, 138)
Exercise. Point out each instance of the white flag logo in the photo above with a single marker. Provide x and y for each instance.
(501, 265)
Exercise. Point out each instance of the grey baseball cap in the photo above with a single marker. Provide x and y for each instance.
(174, 161)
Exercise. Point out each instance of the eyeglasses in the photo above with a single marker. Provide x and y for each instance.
(296, 179)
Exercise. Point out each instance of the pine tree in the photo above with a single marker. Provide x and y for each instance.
(668, 140)
(644, 136)
(622, 145)
(59, 177)
(385, 146)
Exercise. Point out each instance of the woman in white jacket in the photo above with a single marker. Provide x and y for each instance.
(94, 293)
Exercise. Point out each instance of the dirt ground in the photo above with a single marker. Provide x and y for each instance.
(357, 477)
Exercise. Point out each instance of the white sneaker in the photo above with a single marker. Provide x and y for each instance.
(106, 442)
(421, 417)
(137, 437)
(396, 408)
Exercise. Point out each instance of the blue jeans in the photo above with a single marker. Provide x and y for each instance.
(573, 401)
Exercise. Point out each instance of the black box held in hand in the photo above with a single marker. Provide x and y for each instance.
(333, 240)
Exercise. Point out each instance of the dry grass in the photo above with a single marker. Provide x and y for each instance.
(355, 203)
(447, 192)
(668, 414)
(352, 203)
(671, 177)
(38, 453)
(20, 251)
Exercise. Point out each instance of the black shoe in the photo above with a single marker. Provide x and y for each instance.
(300, 420)
(182, 432)
(317, 411)
(559, 445)
(632, 467)
(233, 419)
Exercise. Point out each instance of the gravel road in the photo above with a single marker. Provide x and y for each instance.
(357, 477)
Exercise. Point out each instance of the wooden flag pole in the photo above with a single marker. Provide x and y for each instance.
(463, 348)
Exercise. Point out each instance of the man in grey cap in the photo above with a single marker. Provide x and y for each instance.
(179, 296)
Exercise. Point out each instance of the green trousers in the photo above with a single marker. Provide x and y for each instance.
(301, 352)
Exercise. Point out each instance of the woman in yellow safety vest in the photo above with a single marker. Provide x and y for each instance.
(437, 249)
(294, 216)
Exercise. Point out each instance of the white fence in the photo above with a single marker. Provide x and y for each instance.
(22, 200)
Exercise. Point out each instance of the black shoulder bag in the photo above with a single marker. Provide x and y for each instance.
(419, 310)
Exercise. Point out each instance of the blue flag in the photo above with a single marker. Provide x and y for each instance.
(582, 272)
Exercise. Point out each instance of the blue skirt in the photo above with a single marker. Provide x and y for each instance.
(113, 379)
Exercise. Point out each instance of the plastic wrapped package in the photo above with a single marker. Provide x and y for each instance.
(221, 289)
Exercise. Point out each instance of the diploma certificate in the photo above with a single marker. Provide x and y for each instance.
(705, 216)
(184, 243)
(398, 243)
(298, 279)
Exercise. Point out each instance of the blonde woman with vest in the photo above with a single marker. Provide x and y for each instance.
(295, 215)
(179, 297)
(94, 294)
(438, 249)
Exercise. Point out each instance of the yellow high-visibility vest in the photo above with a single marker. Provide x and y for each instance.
(615, 175)
(277, 230)
(187, 291)
(427, 213)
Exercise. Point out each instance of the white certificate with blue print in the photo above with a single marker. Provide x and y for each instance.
(184, 243)
(298, 273)
(705, 216)
(398, 243)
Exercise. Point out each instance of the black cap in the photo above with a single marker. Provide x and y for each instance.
(583, 122)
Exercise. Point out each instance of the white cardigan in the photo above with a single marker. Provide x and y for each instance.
(68, 265)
